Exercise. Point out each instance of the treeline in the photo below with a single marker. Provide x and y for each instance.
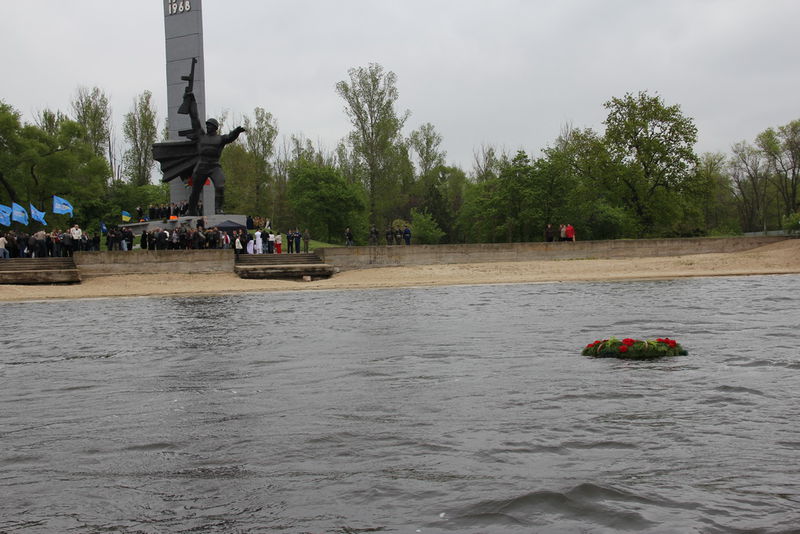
(641, 177)
(75, 155)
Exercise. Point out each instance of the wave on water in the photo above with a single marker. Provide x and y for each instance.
(583, 507)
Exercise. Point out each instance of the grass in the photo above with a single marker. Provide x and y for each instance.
(313, 245)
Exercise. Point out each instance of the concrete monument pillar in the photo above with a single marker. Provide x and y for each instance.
(183, 29)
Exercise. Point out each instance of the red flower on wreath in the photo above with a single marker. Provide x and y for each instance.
(628, 341)
(623, 348)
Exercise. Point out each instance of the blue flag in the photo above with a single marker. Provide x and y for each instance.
(19, 214)
(103, 227)
(61, 206)
(37, 215)
(5, 215)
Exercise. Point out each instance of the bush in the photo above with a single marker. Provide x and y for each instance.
(791, 224)
(424, 228)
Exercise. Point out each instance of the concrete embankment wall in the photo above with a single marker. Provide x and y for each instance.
(381, 256)
(211, 261)
(154, 261)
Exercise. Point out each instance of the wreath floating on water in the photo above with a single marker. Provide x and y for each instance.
(634, 349)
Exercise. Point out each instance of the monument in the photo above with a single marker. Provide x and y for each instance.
(183, 31)
(190, 149)
(196, 160)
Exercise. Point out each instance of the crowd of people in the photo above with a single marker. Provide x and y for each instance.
(59, 243)
(268, 242)
(163, 212)
(41, 244)
(185, 238)
(393, 236)
(566, 232)
(240, 240)
(264, 240)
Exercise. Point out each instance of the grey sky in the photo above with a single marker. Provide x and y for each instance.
(508, 73)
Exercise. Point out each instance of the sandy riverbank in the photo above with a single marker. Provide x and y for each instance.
(778, 258)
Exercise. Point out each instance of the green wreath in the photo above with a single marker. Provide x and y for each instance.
(634, 349)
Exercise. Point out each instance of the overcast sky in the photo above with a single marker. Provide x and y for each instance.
(507, 73)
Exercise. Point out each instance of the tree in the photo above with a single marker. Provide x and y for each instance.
(50, 121)
(249, 170)
(749, 174)
(325, 201)
(261, 133)
(440, 195)
(126, 196)
(350, 164)
(716, 196)
(426, 142)
(781, 148)
(517, 199)
(140, 131)
(370, 96)
(425, 229)
(452, 183)
(92, 111)
(655, 143)
(245, 185)
(36, 163)
(12, 146)
(486, 163)
(479, 216)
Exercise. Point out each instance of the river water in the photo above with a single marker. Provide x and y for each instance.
(454, 409)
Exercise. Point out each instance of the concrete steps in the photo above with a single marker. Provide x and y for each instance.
(277, 259)
(262, 266)
(39, 271)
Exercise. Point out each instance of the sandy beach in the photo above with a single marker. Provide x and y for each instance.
(778, 258)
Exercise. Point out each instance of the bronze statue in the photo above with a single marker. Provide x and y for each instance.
(197, 158)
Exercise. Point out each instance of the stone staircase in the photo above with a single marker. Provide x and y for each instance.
(39, 271)
(282, 266)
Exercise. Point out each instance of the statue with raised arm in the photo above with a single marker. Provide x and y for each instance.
(197, 158)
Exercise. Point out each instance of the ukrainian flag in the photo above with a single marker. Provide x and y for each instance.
(126, 217)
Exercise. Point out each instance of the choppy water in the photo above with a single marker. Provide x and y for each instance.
(460, 409)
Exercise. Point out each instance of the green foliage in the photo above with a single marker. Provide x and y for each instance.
(140, 129)
(440, 193)
(370, 96)
(127, 196)
(655, 145)
(424, 228)
(781, 149)
(715, 196)
(246, 186)
(36, 163)
(603, 221)
(791, 223)
(641, 178)
(324, 201)
(92, 111)
(634, 349)
(255, 184)
(478, 217)
(426, 142)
